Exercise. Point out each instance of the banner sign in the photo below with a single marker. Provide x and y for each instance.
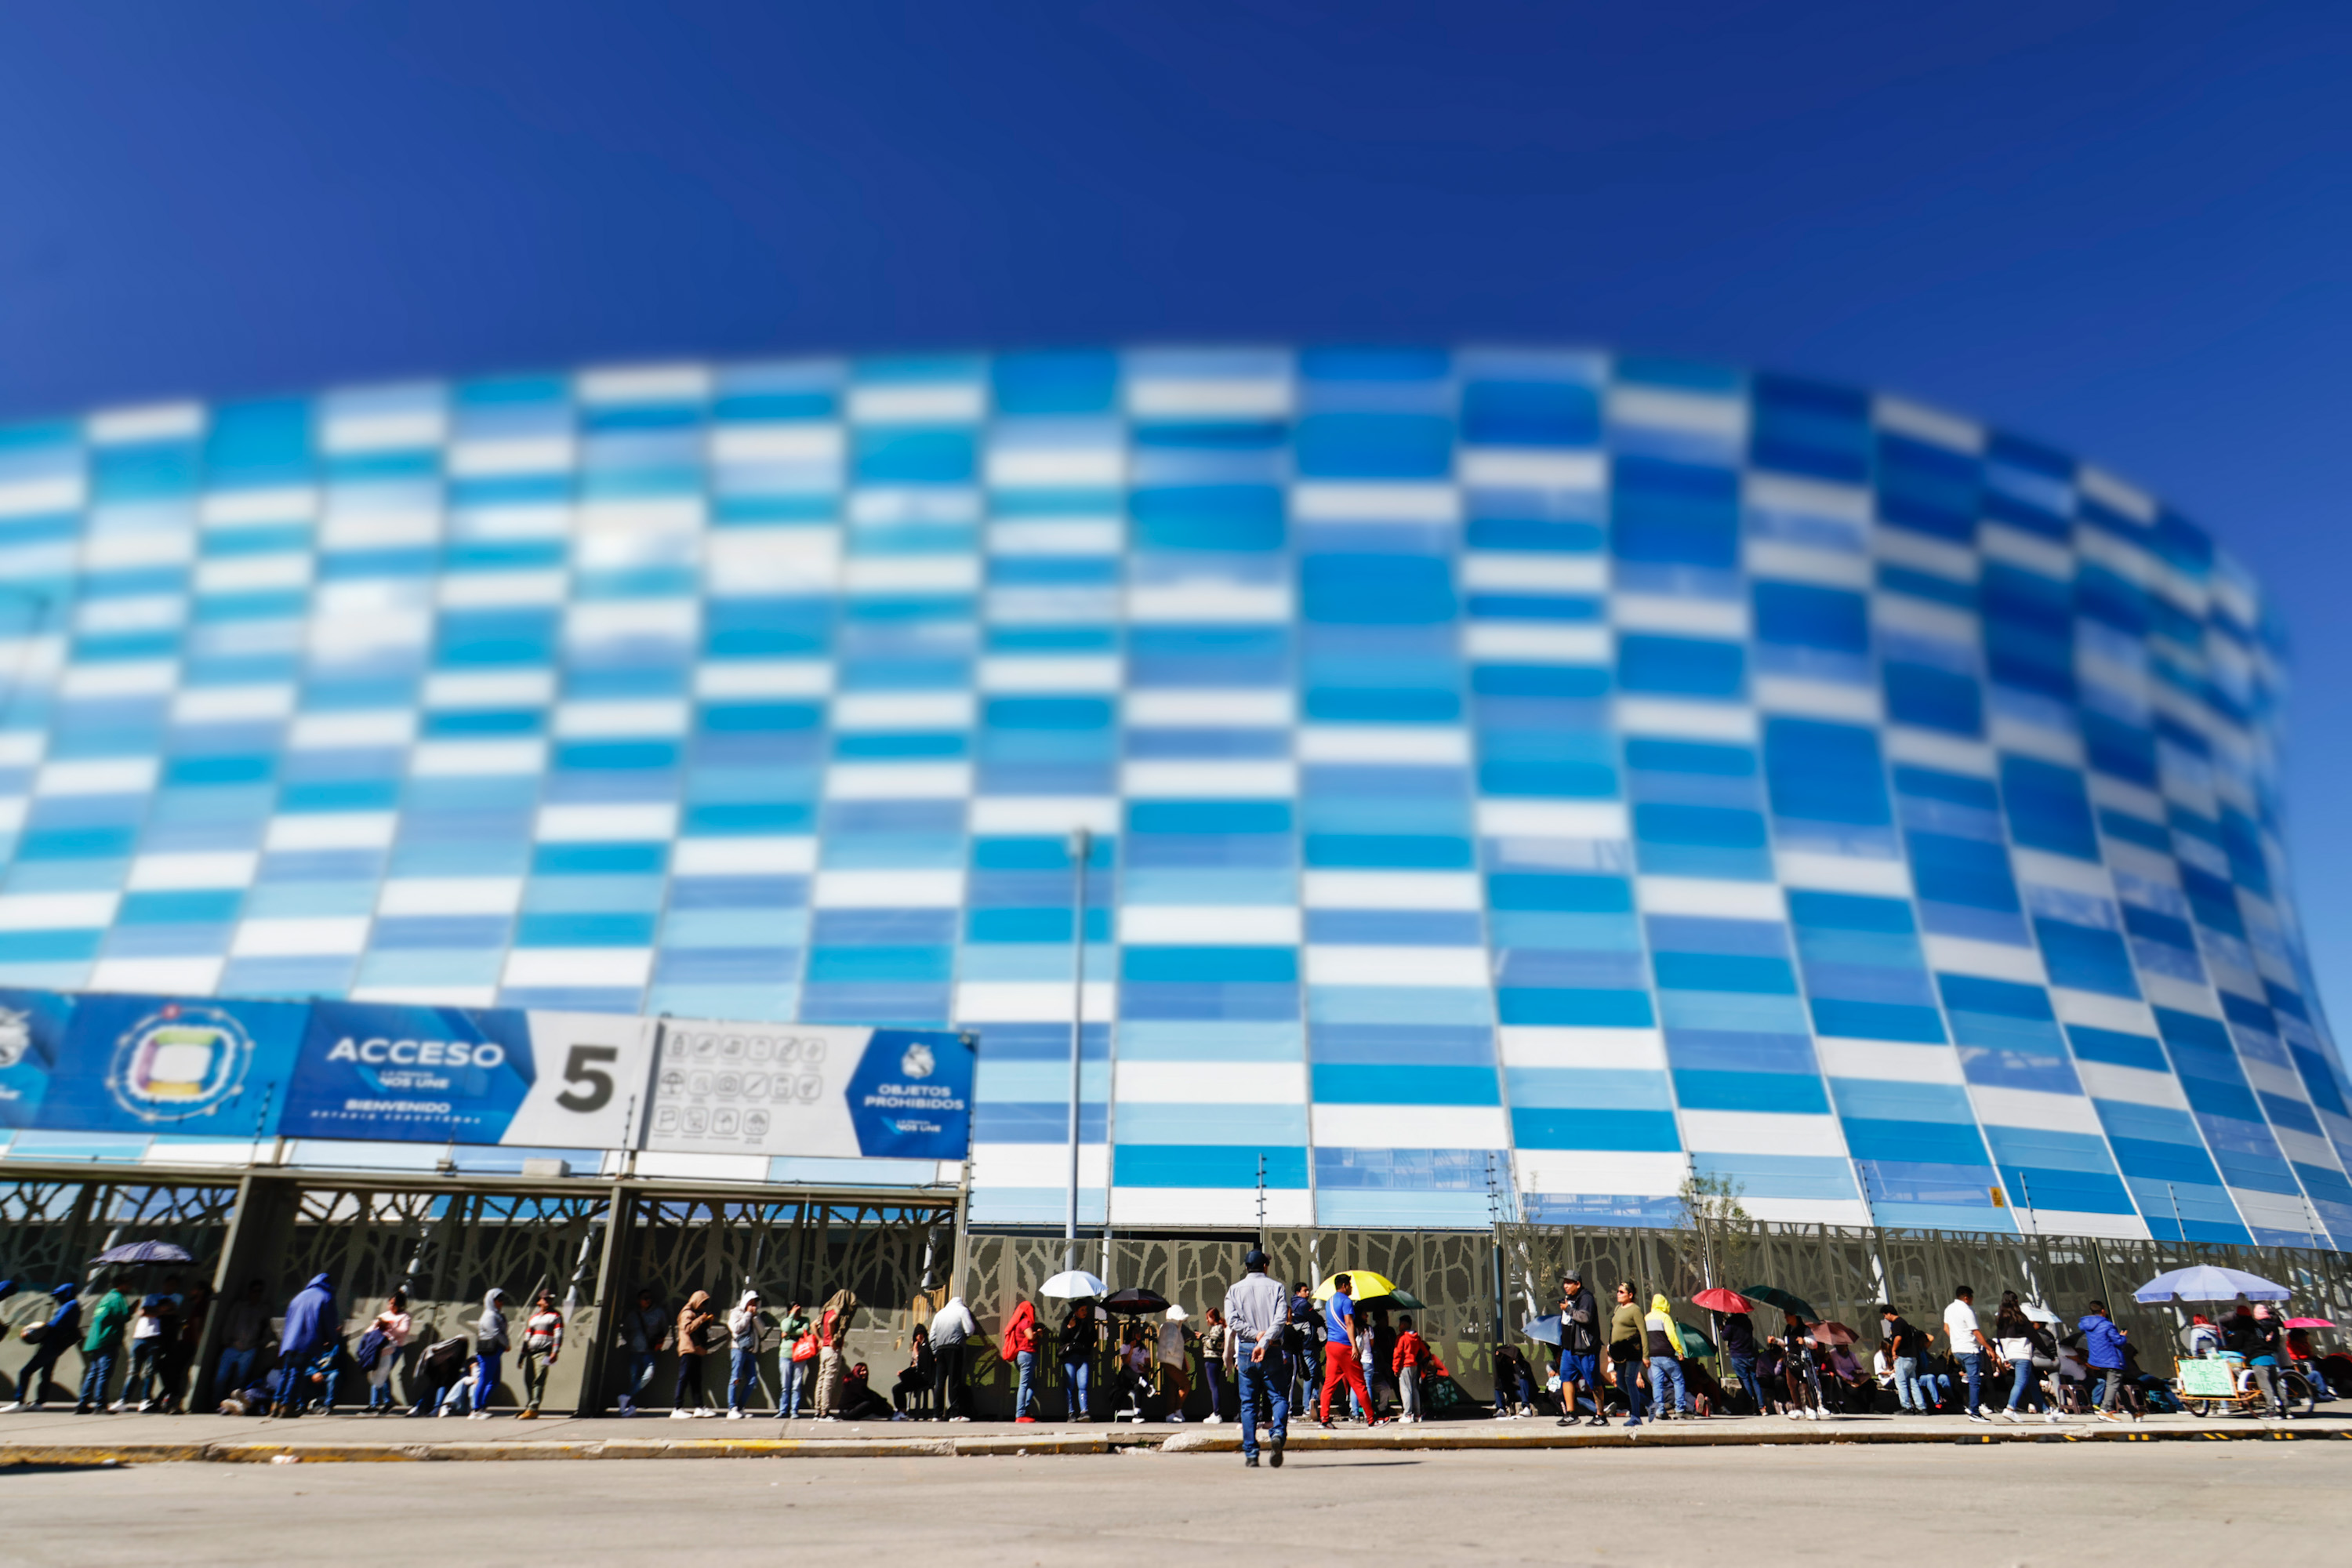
(770, 1089)
(386, 1072)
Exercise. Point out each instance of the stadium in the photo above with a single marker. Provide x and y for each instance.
(1517, 782)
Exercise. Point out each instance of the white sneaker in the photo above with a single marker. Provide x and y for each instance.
(117, 1407)
(480, 1416)
(1212, 1419)
(145, 1406)
(1794, 1414)
(1175, 1417)
(681, 1414)
(2012, 1417)
(1980, 1420)
(735, 1415)
(705, 1413)
(966, 1418)
(2103, 1415)
(1812, 1413)
(19, 1405)
(2052, 1417)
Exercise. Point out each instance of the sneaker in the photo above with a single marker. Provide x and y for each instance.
(1325, 1424)
(2108, 1416)
(1563, 1421)
(1175, 1418)
(1813, 1413)
(1249, 1461)
(1274, 1458)
(1636, 1421)
(1980, 1420)
(626, 1411)
(525, 1415)
(1598, 1420)
(2052, 1417)
(480, 1416)
(145, 1406)
(966, 1418)
(1211, 1419)
(736, 1416)
(2011, 1415)
(1032, 1420)
(1792, 1415)
(681, 1414)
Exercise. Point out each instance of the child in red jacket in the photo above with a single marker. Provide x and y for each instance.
(1411, 1358)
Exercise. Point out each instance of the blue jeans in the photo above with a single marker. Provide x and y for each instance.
(2023, 1381)
(289, 1390)
(1075, 1377)
(1629, 1384)
(1264, 1386)
(146, 1369)
(1025, 1394)
(1933, 1389)
(1907, 1392)
(1743, 1369)
(36, 1375)
(1972, 1367)
(98, 1371)
(742, 1375)
(1215, 1371)
(643, 1364)
(788, 1377)
(235, 1370)
(1666, 1373)
(486, 1378)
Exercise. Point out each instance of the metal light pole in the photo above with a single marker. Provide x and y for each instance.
(1081, 844)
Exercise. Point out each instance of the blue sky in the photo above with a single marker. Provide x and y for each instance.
(2121, 228)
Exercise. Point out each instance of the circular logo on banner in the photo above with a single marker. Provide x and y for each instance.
(918, 1062)
(179, 1062)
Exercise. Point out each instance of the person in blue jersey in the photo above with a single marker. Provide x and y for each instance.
(1343, 1334)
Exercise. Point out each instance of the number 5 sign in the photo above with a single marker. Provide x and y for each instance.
(590, 1070)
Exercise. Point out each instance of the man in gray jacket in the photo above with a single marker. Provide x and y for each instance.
(951, 1330)
(489, 1344)
(1256, 1309)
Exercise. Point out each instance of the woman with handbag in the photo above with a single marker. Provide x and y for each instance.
(2020, 1341)
(796, 1348)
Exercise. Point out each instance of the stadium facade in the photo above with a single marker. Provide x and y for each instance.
(1520, 779)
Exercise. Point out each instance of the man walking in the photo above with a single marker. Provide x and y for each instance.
(1258, 1356)
(309, 1325)
(1340, 1350)
(1580, 1350)
(2102, 1347)
(1973, 1349)
(951, 1330)
(57, 1338)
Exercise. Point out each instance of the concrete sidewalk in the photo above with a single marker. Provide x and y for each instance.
(57, 1437)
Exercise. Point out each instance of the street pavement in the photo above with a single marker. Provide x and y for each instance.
(2275, 1503)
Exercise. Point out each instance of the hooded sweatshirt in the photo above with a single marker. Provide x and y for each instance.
(1666, 1336)
(839, 1308)
(309, 1320)
(2103, 1342)
(953, 1324)
(491, 1333)
(692, 1319)
(1021, 1330)
(65, 1321)
(106, 1322)
(744, 1322)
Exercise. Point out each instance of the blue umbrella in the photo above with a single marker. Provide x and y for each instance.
(1543, 1330)
(144, 1252)
(2205, 1282)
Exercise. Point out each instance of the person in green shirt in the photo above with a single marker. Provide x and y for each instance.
(795, 1324)
(101, 1347)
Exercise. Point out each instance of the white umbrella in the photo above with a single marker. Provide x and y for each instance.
(2040, 1313)
(1073, 1285)
(2205, 1282)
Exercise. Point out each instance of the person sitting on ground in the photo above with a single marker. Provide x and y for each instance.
(915, 1382)
(1771, 1376)
(859, 1400)
(1846, 1381)
(1514, 1389)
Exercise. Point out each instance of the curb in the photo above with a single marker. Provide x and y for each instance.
(1338, 1442)
(102, 1455)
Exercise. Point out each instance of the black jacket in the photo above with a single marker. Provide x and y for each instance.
(1580, 1326)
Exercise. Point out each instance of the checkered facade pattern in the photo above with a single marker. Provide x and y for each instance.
(1519, 778)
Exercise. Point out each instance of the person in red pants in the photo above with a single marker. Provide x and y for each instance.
(1341, 1345)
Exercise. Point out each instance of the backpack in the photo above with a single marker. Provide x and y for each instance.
(371, 1349)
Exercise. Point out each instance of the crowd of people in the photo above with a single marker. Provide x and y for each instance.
(1264, 1353)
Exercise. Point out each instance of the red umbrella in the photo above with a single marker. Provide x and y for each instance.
(1833, 1334)
(2309, 1323)
(1721, 1301)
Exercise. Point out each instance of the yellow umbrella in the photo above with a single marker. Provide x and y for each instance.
(1368, 1284)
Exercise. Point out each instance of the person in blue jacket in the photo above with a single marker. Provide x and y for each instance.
(58, 1336)
(309, 1328)
(2102, 1347)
